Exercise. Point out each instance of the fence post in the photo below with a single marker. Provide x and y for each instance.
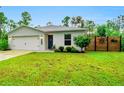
(95, 44)
(107, 43)
(120, 42)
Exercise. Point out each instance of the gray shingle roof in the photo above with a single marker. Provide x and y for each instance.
(53, 28)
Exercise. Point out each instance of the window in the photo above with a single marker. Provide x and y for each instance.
(67, 39)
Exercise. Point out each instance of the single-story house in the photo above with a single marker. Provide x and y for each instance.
(43, 38)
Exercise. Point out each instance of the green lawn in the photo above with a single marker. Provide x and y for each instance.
(75, 69)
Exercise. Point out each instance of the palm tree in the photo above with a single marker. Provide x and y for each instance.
(26, 18)
(78, 19)
(82, 23)
(49, 23)
(73, 21)
(65, 21)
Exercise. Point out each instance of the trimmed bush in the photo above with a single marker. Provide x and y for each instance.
(3, 44)
(74, 50)
(56, 50)
(68, 49)
(61, 48)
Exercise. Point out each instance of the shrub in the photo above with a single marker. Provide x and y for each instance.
(56, 50)
(61, 48)
(122, 44)
(3, 35)
(68, 49)
(74, 50)
(82, 42)
(3, 44)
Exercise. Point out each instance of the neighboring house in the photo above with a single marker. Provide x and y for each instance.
(43, 38)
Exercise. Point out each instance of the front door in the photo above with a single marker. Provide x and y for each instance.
(50, 41)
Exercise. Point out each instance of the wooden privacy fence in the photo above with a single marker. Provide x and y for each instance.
(105, 44)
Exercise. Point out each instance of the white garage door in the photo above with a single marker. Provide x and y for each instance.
(26, 43)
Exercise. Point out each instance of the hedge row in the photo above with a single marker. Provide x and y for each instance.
(66, 49)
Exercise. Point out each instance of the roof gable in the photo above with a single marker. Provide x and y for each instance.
(25, 31)
(24, 27)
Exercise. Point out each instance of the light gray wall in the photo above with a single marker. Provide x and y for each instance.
(26, 35)
(58, 38)
(25, 32)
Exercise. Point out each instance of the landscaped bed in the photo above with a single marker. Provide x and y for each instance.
(91, 68)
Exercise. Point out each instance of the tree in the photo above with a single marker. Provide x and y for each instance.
(82, 42)
(4, 34)
(26, 19)
(12, 24)
(73, 21)
(82, 23)
(107, 30)
(49, 23)
(90, 25)
(79, 20)
(101, 30)
(3, 21)
(120, 22)
(116, 23)
(113, 25)
(65, 21)
(112, 28)
(109, 23)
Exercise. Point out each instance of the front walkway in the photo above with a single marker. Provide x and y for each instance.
(12, 53)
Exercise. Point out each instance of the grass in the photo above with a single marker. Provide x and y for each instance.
(70, 69)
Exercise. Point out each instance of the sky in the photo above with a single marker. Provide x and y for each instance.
(42, 14)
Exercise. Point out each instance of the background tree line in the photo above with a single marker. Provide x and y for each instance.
(7, 25)
(111, 27)
(78, 21)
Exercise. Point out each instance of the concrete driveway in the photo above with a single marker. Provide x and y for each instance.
(12, 53)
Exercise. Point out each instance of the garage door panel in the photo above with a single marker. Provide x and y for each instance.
(26, 43)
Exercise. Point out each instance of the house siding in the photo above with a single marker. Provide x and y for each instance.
(17, 39)
(25, 35)
(58, 38)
